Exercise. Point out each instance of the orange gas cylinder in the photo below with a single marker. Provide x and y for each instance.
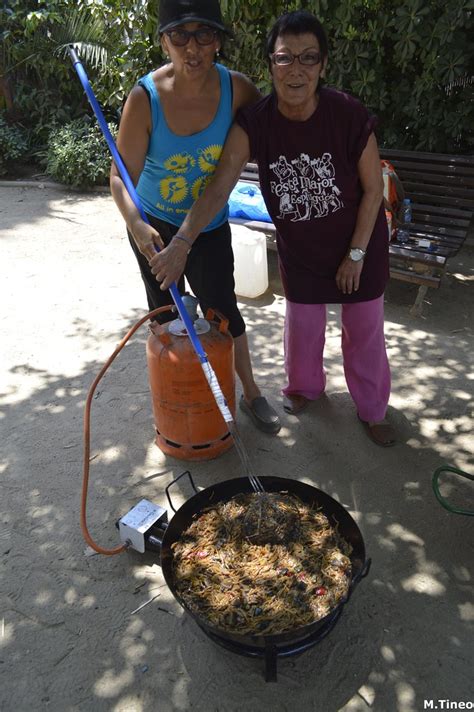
(188, 423)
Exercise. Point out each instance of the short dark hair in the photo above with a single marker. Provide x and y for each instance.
(297, 22)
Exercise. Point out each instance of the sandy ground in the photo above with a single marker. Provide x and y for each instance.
(69, 636)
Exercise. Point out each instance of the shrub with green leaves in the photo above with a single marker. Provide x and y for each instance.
(13, 145)
(410, 62)
(78, 154)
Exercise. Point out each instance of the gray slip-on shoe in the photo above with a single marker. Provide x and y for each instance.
(262, 414)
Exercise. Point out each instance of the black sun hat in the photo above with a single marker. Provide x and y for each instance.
(177, 12)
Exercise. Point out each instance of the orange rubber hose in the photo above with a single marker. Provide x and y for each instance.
(87, 435)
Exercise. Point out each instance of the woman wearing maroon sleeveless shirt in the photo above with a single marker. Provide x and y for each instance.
(321, 179)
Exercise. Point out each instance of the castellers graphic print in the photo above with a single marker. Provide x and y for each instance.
(306, 187)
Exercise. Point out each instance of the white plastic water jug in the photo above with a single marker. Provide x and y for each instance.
(250, 261)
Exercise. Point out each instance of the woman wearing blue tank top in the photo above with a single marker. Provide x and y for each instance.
(173, 127)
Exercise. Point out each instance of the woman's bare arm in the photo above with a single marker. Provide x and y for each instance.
(132, 144)
(370, 175)
(169, 264)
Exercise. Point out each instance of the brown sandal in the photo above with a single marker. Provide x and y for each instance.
(295, 403)
(381, 433)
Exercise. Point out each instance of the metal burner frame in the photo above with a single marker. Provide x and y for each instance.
(271, 652)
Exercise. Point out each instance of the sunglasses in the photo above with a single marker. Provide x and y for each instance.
(284, 59)
(203, 36)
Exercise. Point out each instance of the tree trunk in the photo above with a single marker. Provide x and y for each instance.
(6, 93)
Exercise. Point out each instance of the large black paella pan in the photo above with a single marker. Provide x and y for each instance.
(291, 641)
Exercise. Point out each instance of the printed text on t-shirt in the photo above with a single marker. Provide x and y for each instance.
(306, 187)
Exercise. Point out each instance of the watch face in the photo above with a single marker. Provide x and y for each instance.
(355, 255)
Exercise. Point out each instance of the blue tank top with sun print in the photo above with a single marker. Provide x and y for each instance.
(178, 168)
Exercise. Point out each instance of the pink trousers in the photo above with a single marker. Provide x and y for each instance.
(363, 351)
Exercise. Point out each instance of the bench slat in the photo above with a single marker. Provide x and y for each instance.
(413, 278)
(411, 253)
(435, 179)
(462, 196)
(437, 246)
(439, 211)
(442, 230)
(418, 194)
(432, 170)
(441, 158)
(427, 219)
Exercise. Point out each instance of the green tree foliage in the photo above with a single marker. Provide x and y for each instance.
(410, 62)
(34, 64)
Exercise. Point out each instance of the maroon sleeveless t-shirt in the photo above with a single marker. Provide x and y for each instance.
(309, 180)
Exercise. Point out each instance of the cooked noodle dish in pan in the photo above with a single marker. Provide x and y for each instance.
(239, 572)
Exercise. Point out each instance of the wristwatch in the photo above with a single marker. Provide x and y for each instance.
(356, 254)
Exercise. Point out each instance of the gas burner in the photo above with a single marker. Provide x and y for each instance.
(271, 652)
(148, 529)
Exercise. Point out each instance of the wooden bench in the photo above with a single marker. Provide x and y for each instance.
(441, 188)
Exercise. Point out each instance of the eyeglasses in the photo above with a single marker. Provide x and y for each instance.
(284, 59)
(203, 36)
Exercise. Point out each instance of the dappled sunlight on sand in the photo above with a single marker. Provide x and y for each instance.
(105, 633)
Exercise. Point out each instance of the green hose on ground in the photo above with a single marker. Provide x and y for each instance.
(443, 502)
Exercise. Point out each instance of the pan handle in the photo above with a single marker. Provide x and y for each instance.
(362, 574)
(174, 482)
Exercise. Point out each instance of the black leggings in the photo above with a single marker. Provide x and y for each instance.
(209, 271)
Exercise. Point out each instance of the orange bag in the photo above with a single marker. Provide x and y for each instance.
(393, 194)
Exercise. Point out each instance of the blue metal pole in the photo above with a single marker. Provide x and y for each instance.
(132, 192)
(207, 368)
